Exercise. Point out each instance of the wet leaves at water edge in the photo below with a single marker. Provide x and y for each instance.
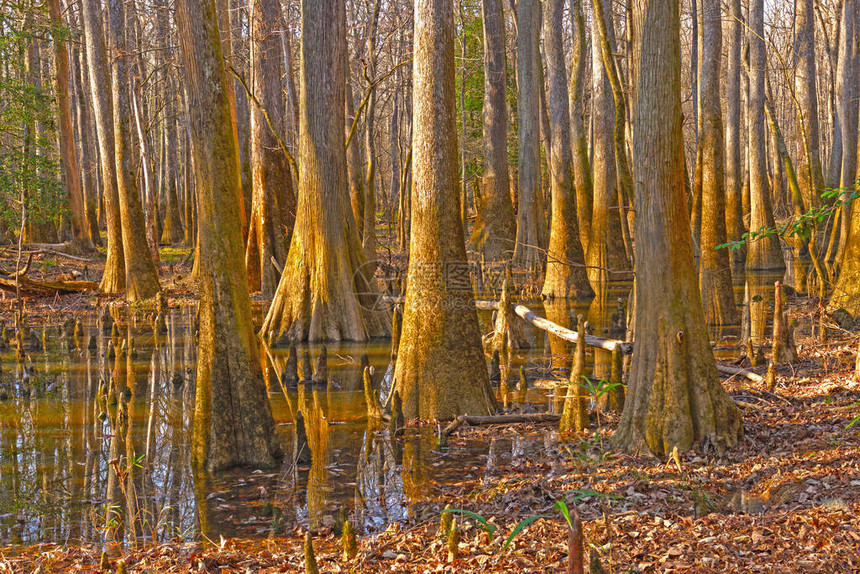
(786, 499)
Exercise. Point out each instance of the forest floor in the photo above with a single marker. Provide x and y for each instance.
(786, 499)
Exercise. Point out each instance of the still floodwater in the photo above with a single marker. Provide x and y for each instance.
(59, 439)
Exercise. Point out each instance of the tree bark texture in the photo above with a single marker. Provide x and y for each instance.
(233, 424)
(494, 232)
(440, 371)
(765, 252)
(326, 291)
(566, 276)
(141, 277)
(273, 204)
(675, 398)
(715, 271)
(113, 277)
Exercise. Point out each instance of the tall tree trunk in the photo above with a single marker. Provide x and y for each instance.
(88, 153)
(368, 236)
(233, 423)
(171, 232)
(675, 398)
(113, 278)
(848, 90)
(325, 292)
(734, 135)
(440, 371)
(528, 244)
(81, 241)
(604, 35)
(606, 256)
(273, 207)
(716, 276)
(764, 252)
(565, 271)
(810, 172)
(354, 160)
(141, 278)
(582, 164)
(494, 232)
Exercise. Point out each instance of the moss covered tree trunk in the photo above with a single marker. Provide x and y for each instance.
(233, 424)
(565, 269)
(494, 232)
(675, 398)
(325, 292)
(582, 164)
(715, 271)
(113, 278)
(440, 371)
(606, 255)
(763, 253)
(273, 204)
(141, 277)
(529, 241)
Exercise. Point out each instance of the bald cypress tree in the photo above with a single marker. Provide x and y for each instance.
(233, 423)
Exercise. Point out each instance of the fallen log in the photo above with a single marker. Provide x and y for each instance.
(562, 333)
(35, 288)
(728, 370)
(500, 420)
(545, 324)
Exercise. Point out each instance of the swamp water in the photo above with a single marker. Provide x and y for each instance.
(59, 441)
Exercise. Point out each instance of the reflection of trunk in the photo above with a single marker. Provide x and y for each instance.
(675, 397)
(565, 270)
(582, 172)
(440, 371)
(494, 232)
(325, 291)
(734, 142)
(764, 252)
(233, 424)
(113, 279)
(141, 278)
(716, 277)
(529, 241)
(273, 207)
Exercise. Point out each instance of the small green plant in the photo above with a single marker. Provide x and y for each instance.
(486, 525)
(561, 506)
